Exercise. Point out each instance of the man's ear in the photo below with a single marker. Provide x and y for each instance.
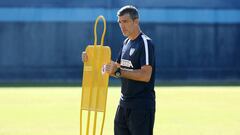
(136, 21)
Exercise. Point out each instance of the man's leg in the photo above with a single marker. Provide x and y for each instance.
(120, 123)
(141, 122)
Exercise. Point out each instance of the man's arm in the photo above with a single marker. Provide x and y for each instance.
(143, 74)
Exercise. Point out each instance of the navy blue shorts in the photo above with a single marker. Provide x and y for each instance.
(133, 122)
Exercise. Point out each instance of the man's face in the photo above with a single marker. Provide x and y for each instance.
(126, 24)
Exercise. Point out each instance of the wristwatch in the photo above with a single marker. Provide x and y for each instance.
(118, 73)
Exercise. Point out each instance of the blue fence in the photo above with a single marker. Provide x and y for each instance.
(213, 4)
(197, 42)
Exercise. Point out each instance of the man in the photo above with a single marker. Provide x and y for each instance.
(135, 66)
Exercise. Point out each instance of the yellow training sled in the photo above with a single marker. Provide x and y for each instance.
(95, 82)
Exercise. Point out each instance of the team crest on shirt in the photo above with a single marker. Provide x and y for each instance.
(132, 50)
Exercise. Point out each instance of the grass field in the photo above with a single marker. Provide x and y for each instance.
(180, 110)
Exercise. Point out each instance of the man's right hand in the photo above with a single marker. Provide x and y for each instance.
(84, 56)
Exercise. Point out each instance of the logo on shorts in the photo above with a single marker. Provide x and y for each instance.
(132, 50)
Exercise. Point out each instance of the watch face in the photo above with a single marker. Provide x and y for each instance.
(118, 74)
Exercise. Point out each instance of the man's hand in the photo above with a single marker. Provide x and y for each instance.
(111, 68)
(84, 56)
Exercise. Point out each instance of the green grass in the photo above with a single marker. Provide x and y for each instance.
(180, 110)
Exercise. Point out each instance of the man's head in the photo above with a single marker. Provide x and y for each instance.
(128, 20)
